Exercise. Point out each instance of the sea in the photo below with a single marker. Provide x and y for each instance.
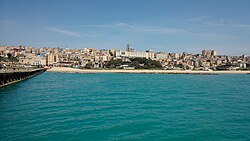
(121, 107)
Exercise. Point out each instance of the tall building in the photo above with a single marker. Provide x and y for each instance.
(213, 53)
(129, 49)
(206, 53)
(51, 59)
(151, 54)
(209, 53)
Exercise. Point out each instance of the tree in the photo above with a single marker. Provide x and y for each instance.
(9, 55)
(147, 63)
(88, 65)
(113, 63)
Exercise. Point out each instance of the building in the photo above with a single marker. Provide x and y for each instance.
(209, 53)
(161, 55)
(51, 59)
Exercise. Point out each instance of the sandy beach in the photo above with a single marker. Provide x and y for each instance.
(74, 70)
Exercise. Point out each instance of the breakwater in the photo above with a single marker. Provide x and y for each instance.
(8, 77)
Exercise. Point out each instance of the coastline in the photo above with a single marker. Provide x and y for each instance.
(74, 70)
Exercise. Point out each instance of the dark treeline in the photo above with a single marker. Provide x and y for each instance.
(138, 63)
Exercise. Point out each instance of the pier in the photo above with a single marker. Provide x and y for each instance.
(8, 77)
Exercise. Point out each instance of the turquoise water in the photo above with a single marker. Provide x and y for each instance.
(58, 106)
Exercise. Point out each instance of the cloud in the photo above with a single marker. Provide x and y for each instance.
(7, 22)
(137, 28)
(94, 26)
(241, 25)
(110, 25)
(197, 19)
(220, 22)
(214, 36)
(151, 29)
(224, 23)
(123, 25)
(160, 30)
(65, 32)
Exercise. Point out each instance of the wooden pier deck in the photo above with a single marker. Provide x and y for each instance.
(8, 77)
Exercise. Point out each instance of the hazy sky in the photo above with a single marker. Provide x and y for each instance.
(160, 25)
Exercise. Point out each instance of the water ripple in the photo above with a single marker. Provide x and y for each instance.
(126, 107)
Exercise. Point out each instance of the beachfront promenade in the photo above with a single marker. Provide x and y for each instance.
(142, 71)
(11, 76)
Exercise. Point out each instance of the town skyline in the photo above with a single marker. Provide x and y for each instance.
(128, 58)
(116, 48)
(171, 26)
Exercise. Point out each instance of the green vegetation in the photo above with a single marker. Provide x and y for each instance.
(114, 63)
(138, 63)
(10, 58)
(143, 63)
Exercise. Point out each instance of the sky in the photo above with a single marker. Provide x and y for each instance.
(159, 25)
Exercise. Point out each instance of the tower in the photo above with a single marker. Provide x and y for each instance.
(129, 49)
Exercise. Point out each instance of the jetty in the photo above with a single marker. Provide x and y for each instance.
(10, 76)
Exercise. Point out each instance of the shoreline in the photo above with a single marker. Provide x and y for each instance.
(75, 70)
